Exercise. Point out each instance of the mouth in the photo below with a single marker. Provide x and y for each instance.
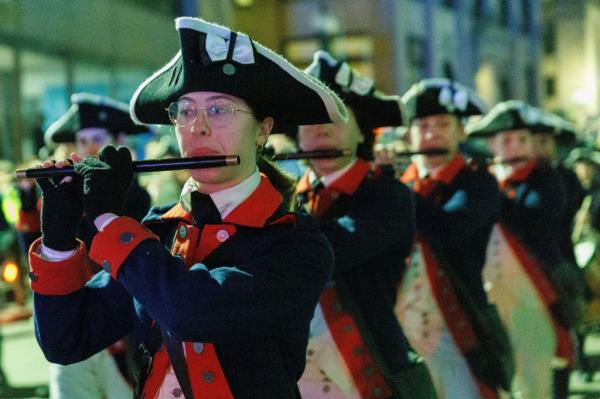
(204, 152)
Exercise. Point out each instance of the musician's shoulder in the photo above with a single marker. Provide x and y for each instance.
(156, 212)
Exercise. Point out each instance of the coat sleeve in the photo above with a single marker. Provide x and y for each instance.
(473, 206)
(380, 216)
(274, 291)
(75, 317)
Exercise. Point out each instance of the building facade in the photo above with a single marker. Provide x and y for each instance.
(52, 48)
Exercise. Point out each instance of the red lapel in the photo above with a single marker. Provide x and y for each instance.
(445, 175)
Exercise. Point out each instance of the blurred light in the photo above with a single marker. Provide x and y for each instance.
(10, 273)
(582, 96)
(244, 3)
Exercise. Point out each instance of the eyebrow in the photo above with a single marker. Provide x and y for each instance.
(211, 98)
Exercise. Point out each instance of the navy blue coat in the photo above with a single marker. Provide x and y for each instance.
(253, 297)
(370, 226)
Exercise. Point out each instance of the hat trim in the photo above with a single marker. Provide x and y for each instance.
(436, 83)
(95, 99)
(56, 125)
(336, 109)
(145, 83)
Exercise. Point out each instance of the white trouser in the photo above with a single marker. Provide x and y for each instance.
(95, 378)
(450, 372)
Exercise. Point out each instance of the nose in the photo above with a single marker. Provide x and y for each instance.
(201, 125)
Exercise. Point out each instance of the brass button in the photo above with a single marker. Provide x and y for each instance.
(208, 377)
(126, 238)
(106, 265)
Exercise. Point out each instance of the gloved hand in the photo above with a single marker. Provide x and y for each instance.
(28, 196)
(106, 181)
(62, 209)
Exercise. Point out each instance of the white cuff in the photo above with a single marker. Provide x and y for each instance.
(54, 255)
(103, 220)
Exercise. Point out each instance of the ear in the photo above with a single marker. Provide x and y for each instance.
(265, 128)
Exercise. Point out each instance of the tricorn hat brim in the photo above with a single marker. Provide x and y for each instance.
(215, 59)
(91, 110)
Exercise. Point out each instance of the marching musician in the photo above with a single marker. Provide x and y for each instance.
(357, 349)
(536, 290)
(441, 304)
(91, 122)
(219, 288)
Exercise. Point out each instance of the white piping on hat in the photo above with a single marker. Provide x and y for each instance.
(335, 107)
(95, 99)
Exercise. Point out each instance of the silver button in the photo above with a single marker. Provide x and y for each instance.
(106, 266)
(126, 238)
(222, 235)
(177, 392)
(229, 69)
(337, 307)
(198, 347)
(208, 377)
(369, 371)
(182, 232)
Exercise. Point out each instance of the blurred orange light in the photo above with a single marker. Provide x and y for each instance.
(10, 272)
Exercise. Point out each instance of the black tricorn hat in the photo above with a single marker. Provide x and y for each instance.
(372, 108)
(91, 110)
(214, 58)
(441, 96)
(564, 131)
(508, 115)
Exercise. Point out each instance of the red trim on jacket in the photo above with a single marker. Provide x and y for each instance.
(113, 245)
(518, 175)
(424, 187)
(319, 202)
(254, 211)
(367, 376)
(207, 377)
(57, 278)
(453, 312)
(535, 271)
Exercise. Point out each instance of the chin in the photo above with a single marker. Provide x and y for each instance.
(209, 175)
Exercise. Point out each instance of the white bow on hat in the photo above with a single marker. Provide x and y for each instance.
(459, 100)
(217, 48)
(360, 84)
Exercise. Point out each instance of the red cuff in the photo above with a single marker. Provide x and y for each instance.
(113, 245)
(57, 278)
(29, 222)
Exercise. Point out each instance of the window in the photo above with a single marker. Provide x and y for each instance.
(550, 86)
(526, 19)
(415, 51)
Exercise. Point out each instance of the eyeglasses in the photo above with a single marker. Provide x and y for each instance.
(184, 114)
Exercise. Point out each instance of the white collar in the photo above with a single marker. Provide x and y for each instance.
(225, 200)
